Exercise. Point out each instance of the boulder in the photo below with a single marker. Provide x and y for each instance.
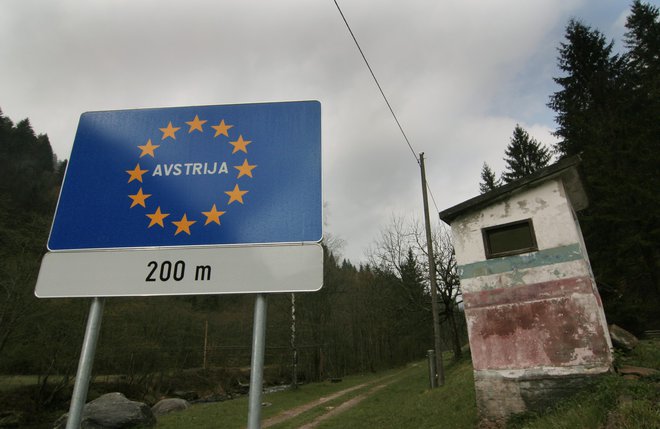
(169, 405)
(112, 411)
(188, 395)
(622, 338)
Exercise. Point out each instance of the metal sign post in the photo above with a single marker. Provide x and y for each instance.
(85, 364)
(257, 366)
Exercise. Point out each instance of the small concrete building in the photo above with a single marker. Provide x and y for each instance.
(535, 320)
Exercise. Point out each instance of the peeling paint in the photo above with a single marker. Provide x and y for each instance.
(524, 334)
(555, 255)
(541, 204)
(571, 269)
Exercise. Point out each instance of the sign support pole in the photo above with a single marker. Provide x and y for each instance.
(257, 366)
(85, 363)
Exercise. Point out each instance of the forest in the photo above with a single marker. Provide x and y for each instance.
(368, 317)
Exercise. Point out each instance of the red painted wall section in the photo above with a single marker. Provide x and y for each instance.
(550, 324)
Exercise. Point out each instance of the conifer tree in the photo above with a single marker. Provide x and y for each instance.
(607, 112)
(523, 156)
(585, 112)
(488, 179)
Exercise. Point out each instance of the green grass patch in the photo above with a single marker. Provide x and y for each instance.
(10, 382)
(234, 413)
(408, 403)
(612, 401)
(646, 354)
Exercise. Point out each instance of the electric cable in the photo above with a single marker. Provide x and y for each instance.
(380, 88)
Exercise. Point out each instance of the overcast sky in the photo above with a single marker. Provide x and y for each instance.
(459, 74)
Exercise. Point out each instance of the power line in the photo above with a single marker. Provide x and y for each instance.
(377, 83)
(373, 75)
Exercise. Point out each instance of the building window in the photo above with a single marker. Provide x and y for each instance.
(509, 239)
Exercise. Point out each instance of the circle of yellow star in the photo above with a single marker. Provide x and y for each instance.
(136, 174)
(139, 199)
(235, 195)
(245, 169)
(183, 225)
(196, 124)
(157, 218)
(213, 215)
(169, 131)
(148, 149)
(221, 129)
(240, 144)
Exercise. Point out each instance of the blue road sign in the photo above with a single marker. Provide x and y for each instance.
(186, 176)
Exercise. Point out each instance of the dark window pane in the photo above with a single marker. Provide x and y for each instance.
(509, 239)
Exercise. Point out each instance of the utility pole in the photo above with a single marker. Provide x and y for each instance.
(434, 292)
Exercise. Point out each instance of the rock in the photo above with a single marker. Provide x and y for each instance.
(188, 395)
(112, 411)
(622, 338)
(169, 405)
(637, 371)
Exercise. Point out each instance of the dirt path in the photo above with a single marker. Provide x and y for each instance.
(344, 406)
(293, 412)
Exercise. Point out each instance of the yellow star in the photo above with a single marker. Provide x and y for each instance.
(236, 195)
(139, 198)
(157, 218)
(169, 131)
(183, 225)
(245, 169)
(240, 144)
(136, 174)
(213, 215)
(196, 124)
(148, 149)
(221, 128)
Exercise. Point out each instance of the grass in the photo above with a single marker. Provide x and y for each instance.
(613, 402)
(11, 382)
(409, 403)
(406, 402)
(233, 414)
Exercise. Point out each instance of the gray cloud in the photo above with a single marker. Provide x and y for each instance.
(459, 74)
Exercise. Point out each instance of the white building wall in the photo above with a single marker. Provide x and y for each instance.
(547, 205)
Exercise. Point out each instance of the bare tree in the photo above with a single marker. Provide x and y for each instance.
(402, 238)
(447, 280)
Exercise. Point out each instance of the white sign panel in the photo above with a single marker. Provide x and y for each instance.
(181, 271)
